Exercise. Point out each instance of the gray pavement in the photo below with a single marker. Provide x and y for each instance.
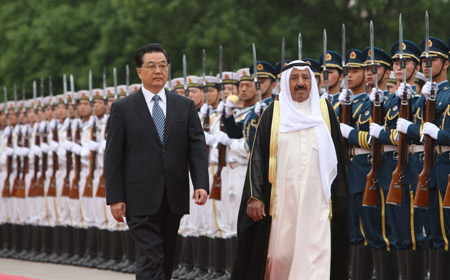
(44, 271)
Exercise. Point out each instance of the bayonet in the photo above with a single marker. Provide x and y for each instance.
(105, 92)
(5, 92)
(90, 88)
(65, 89)
(372, 59)
(206, 119)
(255, 74)
(35, 96)
(127, 79)
(205, 89)
(72, 89)
(23, 100)
(400, 49)
(344, 68)
(115, 82)
(15, 98)
(427, 48)
(324, 61)
(220, 73)
(186, 91)
(50, 90)
(169, 79)
(300, 46)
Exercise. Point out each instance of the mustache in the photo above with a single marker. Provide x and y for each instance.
(300, 87)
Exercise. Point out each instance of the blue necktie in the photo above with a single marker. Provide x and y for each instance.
(158, 117)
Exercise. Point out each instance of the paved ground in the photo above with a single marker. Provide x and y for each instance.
(44, 271)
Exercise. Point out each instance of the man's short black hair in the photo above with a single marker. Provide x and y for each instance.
(153, 47)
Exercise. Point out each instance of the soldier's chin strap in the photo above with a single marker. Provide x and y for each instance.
(264, 94)
(443, 63)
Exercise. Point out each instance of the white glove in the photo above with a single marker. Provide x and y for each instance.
(344, 94)
(42, 126)
(9, 151)
(260, 107)
(102, 146)
(220, 107)
(36, 127)
(24, 129)
(66, 123)
(44, 148)
(52, 124)
(229, 106)
(36, 150)
(402, 125)
(372, 95)
(24, 151)
(426, 90)
(68, 145)
(375, 130)
(209, 139)
(93, 145)
(76, 149)
(91, 121)
(204, 109)
(16, 129)
(430, 129)
(401, 89)
(324, 95)
(7, 131)
(223, 138)
(345, 130)
(54, 146)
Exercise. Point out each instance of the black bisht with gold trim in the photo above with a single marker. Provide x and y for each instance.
(253, 237)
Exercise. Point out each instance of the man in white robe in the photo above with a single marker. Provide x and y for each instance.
(296, 173)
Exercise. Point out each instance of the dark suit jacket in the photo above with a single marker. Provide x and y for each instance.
(139, 169)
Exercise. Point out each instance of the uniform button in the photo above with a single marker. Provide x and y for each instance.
(164, 150)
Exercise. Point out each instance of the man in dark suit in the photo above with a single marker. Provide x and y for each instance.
(155, 140)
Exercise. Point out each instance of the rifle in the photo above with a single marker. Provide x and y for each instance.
(345, 116)
(40, 181)
(101, 190)
(371, 191)
(206, 119)
(66, 185)
(75, 190)
(277, 93)
(21, 184)
(52, 185)
(216, 188)
(7, 187)
(88, 185)
(89, 180)
(395, 193)
(422, 198)
(17, 179)
(32, 190)
(18, 160)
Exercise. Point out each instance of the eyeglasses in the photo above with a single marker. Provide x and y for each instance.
(163, 66)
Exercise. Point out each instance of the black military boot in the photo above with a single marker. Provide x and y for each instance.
(130, 255)
(442, 264)
(402, 264)
(66, 244)
(415, 264)
(432, 259)
(186, 260)
(389, 265)
(102, 240)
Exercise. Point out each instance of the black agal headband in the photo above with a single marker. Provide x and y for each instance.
(299, 64)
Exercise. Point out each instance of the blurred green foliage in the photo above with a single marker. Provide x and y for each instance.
(53, 37)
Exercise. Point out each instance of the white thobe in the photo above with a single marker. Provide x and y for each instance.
(300, 239)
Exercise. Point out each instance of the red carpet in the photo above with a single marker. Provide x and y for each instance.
(12, 277)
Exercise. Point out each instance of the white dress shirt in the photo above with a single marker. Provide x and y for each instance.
(148, 95)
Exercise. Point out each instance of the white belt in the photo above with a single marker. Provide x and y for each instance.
(415, 148)
(389, 148)
(360, 151)
(442, 149)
